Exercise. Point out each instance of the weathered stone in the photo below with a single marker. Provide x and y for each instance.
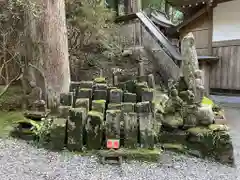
(143, 107)
(57, 134)
(63, 111)
(158, 124)
(151, 81)
(172, 121)
(146, 127)
(34, 100)
(36, 115)
(75, 126)
(177, 136)
(100, 80)
(197, 134)
(189, 117)
(128, 107)
(74, 85)
(130, 130)
(82, 103)
(122, 85)
(139, 87)
(113, 106)
(86, 84)
(130, 97)
(115, 80)
(205, 115)
(113, 118)
(190, 59)
(84, 93)
(99, 106)
(147, 94)
(94, 130)
(116, 96)
(141, 71)
(100, 94)
(66, 99)
(99, 86)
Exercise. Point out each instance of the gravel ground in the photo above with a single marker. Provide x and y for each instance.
(21, 161)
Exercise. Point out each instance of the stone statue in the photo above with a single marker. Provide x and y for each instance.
(199, 86)
(190, 68)
(34, 98)
(175, 103)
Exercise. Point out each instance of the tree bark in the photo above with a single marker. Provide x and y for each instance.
(55, 51)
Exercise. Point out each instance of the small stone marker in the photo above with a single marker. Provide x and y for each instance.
(146, 125)
(151, 81)
(100, 94)
(116, 96)
(94, 130)
(130, 97)
(57, 135)
(130, 130)
(63, 111)
(66, 99)
(147, 94)
(113, 118)
(82, 103)
(99, 106)
(75, 129)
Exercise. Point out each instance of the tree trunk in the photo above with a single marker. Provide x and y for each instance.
(55, 51)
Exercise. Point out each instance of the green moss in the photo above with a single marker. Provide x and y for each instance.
(218, 127)
(100, 80)
(113, 106)
(7, 120)
(175, 147)
(114, 111)
(85, 89)
(95, 114)
(116, 90)
(12, 98)
(199, 131)
(101, 101)
(135, 154)
(148, 89)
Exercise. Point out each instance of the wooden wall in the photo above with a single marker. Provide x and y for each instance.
(201, 29)
(226, 73)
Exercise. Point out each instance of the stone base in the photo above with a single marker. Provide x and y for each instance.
(135, 154)
(36, 115)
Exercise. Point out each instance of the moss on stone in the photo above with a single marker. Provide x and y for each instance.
(175, 147)
(199, 131)
(114, 111)
(149, 89)
(218, 127)
(100, 101)
(95, 114)
(136, 154)
(100, 80)
(85, 89)
(114, 106)
(116, 90)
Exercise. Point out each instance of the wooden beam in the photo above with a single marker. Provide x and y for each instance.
(226, 43)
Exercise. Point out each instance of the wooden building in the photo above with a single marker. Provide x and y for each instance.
(216, 27)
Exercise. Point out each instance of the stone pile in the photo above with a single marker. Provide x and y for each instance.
(96, 111)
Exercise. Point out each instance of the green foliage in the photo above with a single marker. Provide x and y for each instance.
(93, 35)
(7, 119)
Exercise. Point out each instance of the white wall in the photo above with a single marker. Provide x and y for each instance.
(226, 21)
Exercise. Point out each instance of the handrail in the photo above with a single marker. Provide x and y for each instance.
(159, 36)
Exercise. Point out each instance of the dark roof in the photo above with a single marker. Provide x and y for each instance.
(180, 3)
(161, 19)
